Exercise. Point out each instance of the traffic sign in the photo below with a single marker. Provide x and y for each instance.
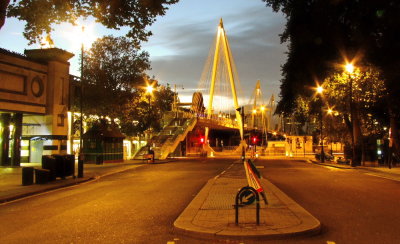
(247, 196)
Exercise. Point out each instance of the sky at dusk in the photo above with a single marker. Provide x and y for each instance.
(182, 39)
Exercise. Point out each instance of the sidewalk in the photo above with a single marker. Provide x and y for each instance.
(211, 213)
(11, 187)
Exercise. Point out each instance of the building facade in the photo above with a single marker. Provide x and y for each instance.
(34, 101)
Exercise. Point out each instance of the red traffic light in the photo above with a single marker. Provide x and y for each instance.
(254, 139)
(202, 139)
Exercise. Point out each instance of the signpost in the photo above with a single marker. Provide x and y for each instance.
(246, 196)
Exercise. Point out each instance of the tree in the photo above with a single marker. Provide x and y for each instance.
(140, 115)
(3, 11)
(313, 36)
(302, 112)
(377, 30)
(40, 15)
(324, 33)
(112, 70)
(368, 94)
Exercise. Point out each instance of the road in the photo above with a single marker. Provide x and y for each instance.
(352, 206)
(135, 206)
(140, 205)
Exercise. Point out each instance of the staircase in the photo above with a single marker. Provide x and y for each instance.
(168, 139)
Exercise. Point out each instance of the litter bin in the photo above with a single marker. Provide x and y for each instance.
(27, 176)
(69, 160)
(49, 163)
(60, 165)
(42, 176)
(99, 159)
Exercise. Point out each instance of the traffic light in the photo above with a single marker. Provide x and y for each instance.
(254, 139)
(202, 139)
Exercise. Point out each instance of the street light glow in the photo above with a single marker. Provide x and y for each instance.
(320, 89)
(149, 89)
(80, 33)
(349, 68)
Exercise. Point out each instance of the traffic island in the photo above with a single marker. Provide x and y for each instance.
(211, 214)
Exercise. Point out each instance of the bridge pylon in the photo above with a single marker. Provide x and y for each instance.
(222, 51)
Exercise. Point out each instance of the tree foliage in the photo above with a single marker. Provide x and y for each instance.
(40, 15)
(114, 81)
(313, 33)
(369, 95)
(322, 34)
(145, 111)
(112, 70)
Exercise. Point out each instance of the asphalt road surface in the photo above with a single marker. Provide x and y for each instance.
(135, 206)
(140, 205)
(352, 206)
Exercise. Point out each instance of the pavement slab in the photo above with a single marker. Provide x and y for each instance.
(212, 214)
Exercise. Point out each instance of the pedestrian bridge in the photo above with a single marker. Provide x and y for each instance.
(216, 121)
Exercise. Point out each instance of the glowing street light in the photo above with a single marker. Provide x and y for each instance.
(349, 68)
(75, 37)
(320, 91)
(149, 89)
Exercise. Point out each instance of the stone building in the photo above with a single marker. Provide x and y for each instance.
(34, 101)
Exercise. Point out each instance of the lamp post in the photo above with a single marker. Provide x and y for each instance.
(149, 90)
(81, 154)
(331, 113)
(349, 68)
(320, 90)
(264, 129)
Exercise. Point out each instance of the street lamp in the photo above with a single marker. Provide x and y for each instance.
(320, 90)
(149, 90)
(349, 68)
(81, 154)
(331, 113)
(264, 128)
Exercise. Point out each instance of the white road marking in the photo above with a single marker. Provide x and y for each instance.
(170, 242)
(330, 242)
(381, 176)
